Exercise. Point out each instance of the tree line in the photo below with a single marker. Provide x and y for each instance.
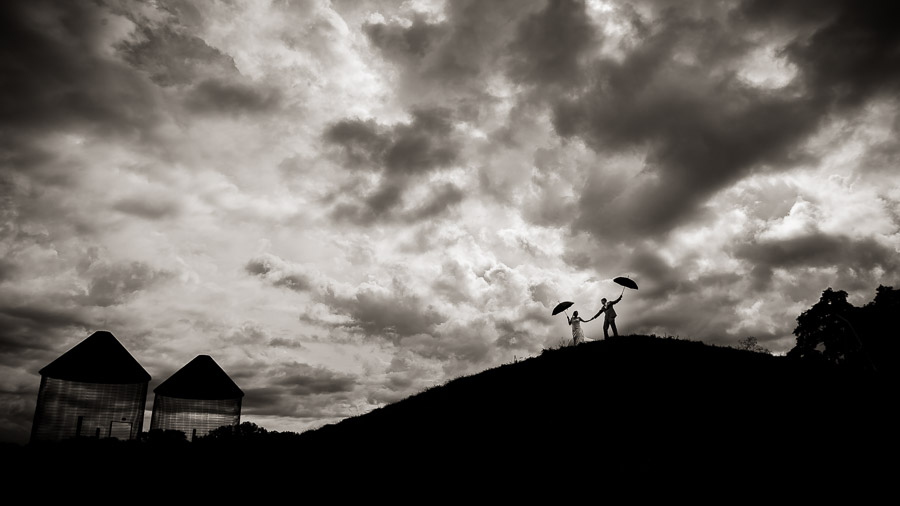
(863, 339)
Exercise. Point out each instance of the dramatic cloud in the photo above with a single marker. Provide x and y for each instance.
(280, 273)
(848, 59)
(303, 380)
(61, 71)
(382, 311)
(401, 155)
(348, 202)
(217, 96)
(171, 56)
(450, 57)
(550, 43)
(112, 284)
(859, 263)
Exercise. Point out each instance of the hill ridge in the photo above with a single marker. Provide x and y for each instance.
(647, 403)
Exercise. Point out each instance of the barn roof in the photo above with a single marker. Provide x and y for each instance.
(100, 358)
(201, 378)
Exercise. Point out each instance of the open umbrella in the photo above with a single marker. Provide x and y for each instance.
(562, 306)
(627, 283)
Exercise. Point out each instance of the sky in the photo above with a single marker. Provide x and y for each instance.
(347, 202)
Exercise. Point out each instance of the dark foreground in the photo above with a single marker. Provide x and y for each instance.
(640, 415)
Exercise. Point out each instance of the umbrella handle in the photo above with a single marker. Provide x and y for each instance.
(623, 292)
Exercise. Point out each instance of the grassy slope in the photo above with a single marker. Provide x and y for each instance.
(634, 410)
(638, 404)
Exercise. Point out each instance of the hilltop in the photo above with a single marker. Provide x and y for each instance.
(633, 404)
(632, 408)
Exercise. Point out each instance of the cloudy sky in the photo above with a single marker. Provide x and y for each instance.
(345, 202)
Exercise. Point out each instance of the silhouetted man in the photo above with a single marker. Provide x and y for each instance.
(610, 319)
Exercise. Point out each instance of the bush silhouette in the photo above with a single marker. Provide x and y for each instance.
(750, 343)
(860, 339)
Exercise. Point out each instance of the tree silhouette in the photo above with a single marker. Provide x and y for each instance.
(825, 330)
(863, 338)
(750, 343)
(879, 330)
(242, 431)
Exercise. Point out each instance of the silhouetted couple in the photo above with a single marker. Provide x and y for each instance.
(609, 321)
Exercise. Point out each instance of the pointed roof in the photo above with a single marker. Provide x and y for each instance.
(201, 378)
(100, 358)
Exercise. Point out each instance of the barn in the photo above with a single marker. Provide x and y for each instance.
(196, 399)
(96, 389)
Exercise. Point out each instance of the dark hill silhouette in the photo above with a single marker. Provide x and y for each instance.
(636, 404)
(634, 410)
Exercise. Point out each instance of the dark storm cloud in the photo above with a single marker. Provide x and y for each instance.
(458, 345)
(16, 413)
(443, 197)
(677, 95)
(267, 401)
(451, 52)
(704, 307)
(286, 343)
(296, 282)
(401, 154)
(382, 205)
(424, 144)
(509, 336)
(550, 43)
(883, 156)
(389, 313)
(8, 270)
(513, 335)
(171, 57)
(377, 204)
(853, 258)
(798, 13)
(231, 97)
(274, 401)
(402, 43)
(299, 389)
(32, 334)
(695, 314)
(379, 312)
(704, 131)
(852, 56)
(663, 279)
(304, 379)
(35, 327)
(111, 284)
(362, 142)
(56, 75)
(150, 207)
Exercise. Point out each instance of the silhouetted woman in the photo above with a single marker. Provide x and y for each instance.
(575, 321)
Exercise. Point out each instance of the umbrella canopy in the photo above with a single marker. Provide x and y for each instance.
(627, 283)
(562, 306)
